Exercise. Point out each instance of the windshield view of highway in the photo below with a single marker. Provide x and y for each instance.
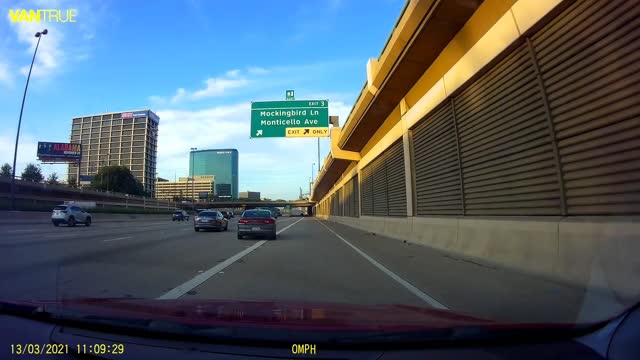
(356, 169)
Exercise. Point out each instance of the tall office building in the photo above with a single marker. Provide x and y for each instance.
(123, 138)
(223, 164)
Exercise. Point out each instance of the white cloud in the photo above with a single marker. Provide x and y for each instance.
(50, 53)
(258, 78)
(219, 86)
(255, 70)
(5, 75)
(64, 44)
(181, 130)
(216, 86)
(340, 109)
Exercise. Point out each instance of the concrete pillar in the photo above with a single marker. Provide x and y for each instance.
(359, 191)
(407, 146)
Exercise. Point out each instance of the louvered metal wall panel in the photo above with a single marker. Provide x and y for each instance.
(367, 191)
(356, 197)
(396, 180)
(350, 196)
(346, 198)
(505, 142)
(340, 201)
(379, 178)
(383, 183)
(589, 57)
(437, 170)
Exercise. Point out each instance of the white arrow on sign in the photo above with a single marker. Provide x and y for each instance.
(259, 133)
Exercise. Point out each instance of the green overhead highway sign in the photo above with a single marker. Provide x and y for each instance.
(293, 118)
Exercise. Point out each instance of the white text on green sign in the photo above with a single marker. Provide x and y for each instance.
(273, 118)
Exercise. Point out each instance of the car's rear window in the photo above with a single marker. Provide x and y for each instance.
(60, 208)
(256, 214)
(210, 214)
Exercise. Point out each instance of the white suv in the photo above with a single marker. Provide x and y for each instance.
(70, 215)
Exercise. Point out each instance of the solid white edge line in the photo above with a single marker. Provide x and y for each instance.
(182, 289)
(414, 290)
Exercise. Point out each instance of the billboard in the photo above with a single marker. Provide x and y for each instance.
(59, 152)
(150, 114)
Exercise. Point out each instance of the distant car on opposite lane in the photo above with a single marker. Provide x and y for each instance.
(180, 215)
(257, 223)
(70, 214)
(210, 219)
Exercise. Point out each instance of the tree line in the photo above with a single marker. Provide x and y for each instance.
(113, 178)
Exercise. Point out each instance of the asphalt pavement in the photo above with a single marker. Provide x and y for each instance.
(311, 260)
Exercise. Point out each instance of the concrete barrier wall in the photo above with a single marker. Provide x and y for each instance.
(599, 253)
(35, 217)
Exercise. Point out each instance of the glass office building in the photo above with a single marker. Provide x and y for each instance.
(221, 163)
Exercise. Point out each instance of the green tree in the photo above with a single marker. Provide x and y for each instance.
(32, 173)
(53, 179)
(118, 179)
(72, 182)
(6, 170)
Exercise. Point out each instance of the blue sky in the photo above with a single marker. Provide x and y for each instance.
(198, 64)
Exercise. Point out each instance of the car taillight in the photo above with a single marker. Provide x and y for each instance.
(269, 221)
(197, 219)
(242, 221)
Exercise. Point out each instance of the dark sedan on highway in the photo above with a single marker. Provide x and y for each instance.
(257, 223)
(210, 219)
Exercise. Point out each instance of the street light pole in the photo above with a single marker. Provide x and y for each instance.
(193, 197)
(24, 96)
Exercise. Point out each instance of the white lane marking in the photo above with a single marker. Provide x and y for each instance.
(116, 239)
(21, 230)
(61, 235)
(186, 229)
(202, 277)
(414, 290)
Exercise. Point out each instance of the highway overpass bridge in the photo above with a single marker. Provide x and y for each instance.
(307, 205)
(501, 131)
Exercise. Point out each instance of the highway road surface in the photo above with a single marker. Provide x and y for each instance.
(311, 260)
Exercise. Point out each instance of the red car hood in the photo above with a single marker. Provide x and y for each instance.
(267, 314)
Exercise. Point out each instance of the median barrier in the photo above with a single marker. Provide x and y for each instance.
(37, 217)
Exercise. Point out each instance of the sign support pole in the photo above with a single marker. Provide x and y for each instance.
(78, 178)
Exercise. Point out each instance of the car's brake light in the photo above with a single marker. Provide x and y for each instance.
(242, 221)
(269, 221)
